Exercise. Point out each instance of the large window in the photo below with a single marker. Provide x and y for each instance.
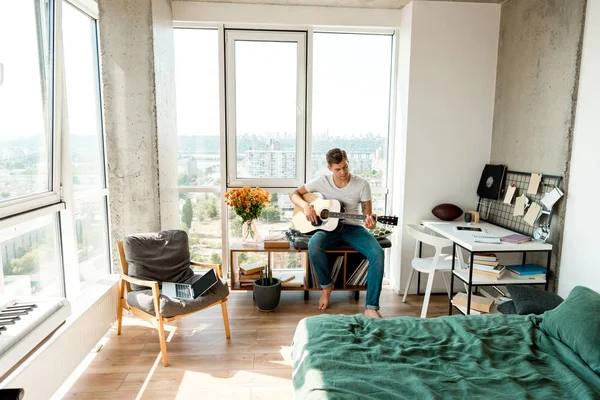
(53, 191)
(31, 259)
(351, 101)
(266, 102)
(27, 177)
(86, 141)
(280, 115)
(199, 141)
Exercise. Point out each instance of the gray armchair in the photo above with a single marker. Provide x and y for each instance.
(152, 258)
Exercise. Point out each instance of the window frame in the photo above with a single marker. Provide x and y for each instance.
(52, 107)
(67, 217)
(298, 37)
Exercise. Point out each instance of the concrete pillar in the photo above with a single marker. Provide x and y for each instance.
(139, 111)
(536, 91)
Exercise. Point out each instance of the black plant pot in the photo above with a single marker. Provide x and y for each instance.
(267, 297)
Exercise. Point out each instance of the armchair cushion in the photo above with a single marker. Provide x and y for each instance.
(170, 307)
(163, 256)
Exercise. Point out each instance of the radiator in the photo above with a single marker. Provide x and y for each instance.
(44, 371)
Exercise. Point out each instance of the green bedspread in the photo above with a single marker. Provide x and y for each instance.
(485, 357)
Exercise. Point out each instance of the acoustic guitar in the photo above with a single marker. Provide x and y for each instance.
(329, 213)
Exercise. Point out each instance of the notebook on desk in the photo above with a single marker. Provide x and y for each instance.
(482, 238)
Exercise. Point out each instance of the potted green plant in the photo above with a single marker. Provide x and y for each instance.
(267, 290)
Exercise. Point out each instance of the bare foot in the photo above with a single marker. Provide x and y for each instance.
(324, 299)
(372, 313)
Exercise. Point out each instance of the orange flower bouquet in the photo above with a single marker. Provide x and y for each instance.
(248, 204)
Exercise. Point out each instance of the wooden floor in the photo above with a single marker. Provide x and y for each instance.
(254, 364)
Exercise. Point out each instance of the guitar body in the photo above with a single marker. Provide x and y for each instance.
(322, 208)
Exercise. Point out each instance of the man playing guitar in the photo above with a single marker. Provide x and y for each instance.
(352, 191)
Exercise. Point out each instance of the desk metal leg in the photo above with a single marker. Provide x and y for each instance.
(524, 257)
(306, 295)
(470, 284)
(548, 270)
(452, 278)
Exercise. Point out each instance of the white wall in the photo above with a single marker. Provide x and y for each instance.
(399, 150)
(449, 110)
(579, 264)
(189, 12)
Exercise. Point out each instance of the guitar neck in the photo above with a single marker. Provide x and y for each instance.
(347, 216)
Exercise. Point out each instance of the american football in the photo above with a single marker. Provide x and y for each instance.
(447, 212)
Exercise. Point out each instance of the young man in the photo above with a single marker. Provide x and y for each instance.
(351, 191)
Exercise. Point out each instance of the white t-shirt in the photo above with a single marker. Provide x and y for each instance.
(355, 192)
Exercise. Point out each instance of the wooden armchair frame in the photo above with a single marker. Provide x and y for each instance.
(158, 319)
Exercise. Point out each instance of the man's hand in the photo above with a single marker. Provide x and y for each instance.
(370, 221)
(310, 213)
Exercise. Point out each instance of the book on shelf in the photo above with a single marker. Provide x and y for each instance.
(246, 284)
(478, 303)
(359, 274)
(314, 277)
(515, 238)
(485, 257)
(276, 244)
(249, 278)
(488, 274)
(286, 277)
(527, 269)
(483, 262)
(253, 268)
(293, 283)
(533, 277)
(488, 268)
(337, 266)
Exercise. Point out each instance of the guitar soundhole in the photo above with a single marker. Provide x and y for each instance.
(324, 214)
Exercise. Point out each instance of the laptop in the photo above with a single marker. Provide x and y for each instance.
(192, 288)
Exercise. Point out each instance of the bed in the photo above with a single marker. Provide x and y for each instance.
(552, 356)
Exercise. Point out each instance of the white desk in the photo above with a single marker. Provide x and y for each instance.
(464, 239)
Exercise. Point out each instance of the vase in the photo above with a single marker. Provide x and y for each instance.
(267, 297)
(249, 232)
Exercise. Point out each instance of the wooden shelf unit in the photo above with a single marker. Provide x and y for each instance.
(351, 261)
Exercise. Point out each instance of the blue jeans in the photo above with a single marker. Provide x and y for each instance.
(362, 241)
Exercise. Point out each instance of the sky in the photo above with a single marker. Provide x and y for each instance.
(351, 82)
(21, 106)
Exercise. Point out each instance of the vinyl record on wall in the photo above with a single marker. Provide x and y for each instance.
(491, 181)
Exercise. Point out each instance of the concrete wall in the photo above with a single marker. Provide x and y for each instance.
(450, 104)
(166, 118)
(136, 93)
(535, 90)
(579, 265)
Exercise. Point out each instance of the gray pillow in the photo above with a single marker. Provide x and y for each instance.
(508, 307)
(530, 300)
(162, 256)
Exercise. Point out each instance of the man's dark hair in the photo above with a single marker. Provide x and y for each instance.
(336, 156)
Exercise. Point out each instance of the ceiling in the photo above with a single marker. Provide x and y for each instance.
(386, 4)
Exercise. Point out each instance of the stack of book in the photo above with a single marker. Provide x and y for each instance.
(486, 266)
(251, 272)
(479, 304)
(359, 276)
(528, 271)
